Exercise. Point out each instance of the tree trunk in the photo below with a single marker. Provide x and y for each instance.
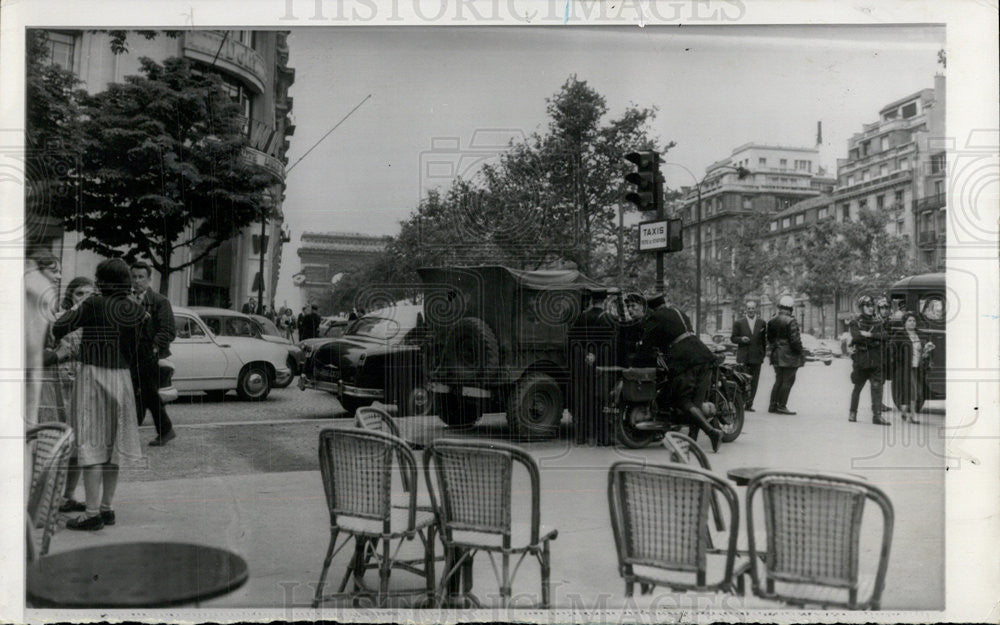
(164, 280)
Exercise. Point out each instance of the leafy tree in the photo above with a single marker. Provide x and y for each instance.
(875, 257)
(163, 168)
(743, 264)
(822, 270)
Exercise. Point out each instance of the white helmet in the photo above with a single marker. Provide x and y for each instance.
(786, 301)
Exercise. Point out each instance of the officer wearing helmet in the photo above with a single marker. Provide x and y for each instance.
(868, 337)
(785, 343)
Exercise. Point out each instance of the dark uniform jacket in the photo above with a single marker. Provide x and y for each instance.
(785, 340)
(751, 353)
(869, 352)
(162, 318)
(661, 330)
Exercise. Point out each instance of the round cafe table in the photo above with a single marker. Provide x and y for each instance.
(134, 575)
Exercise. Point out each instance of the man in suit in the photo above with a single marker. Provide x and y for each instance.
(750, 336)
(302, 323)
(250, 308)
(152, 348)
(786, 354)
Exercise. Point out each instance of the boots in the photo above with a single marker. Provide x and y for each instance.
(853, 416)
(714, 434)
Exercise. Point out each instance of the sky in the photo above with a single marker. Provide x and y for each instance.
(433, 88)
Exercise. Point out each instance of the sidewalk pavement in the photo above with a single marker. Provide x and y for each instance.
(279, 523)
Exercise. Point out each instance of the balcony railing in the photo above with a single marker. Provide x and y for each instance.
(929, 203)
(928, 237)
(860, 187)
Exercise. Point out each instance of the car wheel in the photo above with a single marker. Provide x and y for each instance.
(535, 406)
(254, 383)
(351, 404)
(460, 412)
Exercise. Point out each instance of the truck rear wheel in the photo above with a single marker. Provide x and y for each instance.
(535, 406)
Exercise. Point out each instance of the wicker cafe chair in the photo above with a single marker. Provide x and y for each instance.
(52, 444)
(813, 526)
(356, 466)
(659, 516)
(682, 450)
(470, 484)
(378, 419)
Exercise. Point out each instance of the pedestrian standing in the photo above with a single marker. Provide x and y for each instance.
(786, 354)
(104, 411)
(152, 348)
(64, 358)
(303, 324)
(250, 307)
(909, 355)
(868, 337)
(591, 343)
(884, 312)
(42, 274)
(312, 321)
(750, 335)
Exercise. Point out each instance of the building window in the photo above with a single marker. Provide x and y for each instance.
(850, 181)
(821, 213)
(786, 222)
(880, 202)
(762, 162)
(803, 165)
(898, 199)
(884, 143)
(939, 187)
(800, 219)
(883, 170)
(904, 163)
(864, 175)
(784, 163)
(937, 163)
(865, 147)
(909, 110)
(61, 48)
(747, 202)
(845, 212)
(774, 226)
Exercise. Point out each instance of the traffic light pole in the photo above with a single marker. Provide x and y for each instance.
(658, 202)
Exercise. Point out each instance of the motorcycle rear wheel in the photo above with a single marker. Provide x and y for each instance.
(630, 437)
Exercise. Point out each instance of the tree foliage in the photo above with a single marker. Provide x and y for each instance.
(163, 167)
(743, 264)
(550, 201)
(876, 258)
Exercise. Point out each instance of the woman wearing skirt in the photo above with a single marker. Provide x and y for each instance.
(104, 412)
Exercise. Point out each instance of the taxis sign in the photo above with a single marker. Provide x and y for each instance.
(660, 236)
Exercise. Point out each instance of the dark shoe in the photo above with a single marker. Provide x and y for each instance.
(886, 408)
(108, 516)
(160, 441)
(783, 410)
(853, 417)
(85, 523)
(911, 418)
(715, 437)
(772, 410)
(72, 505)
(748, 409)
(878, 420)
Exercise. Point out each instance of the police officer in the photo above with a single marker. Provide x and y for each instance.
(689, 363)
(785, 343)
(868, 337)
(592, 344)
(883, 310)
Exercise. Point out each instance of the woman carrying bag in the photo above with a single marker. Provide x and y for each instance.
(909, 357)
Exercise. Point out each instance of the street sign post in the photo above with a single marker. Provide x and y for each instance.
(661, 235)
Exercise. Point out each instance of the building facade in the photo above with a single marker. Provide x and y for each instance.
(323, 256)
(779, 178)
(254, 68)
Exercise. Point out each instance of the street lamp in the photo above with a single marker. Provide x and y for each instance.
(741, 172)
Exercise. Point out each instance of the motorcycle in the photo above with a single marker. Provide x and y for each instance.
(635, 395)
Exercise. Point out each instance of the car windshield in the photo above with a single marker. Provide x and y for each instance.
(385, 325)
(266, 326)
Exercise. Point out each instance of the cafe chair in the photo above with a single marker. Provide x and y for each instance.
(813, 529)
(51, 445)
(470, 484)
(357, 466)
(659, 517)
(378, 419)
(685, 450)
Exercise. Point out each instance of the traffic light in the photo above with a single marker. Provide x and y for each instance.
(646, 179)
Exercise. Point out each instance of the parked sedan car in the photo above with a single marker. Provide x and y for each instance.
(379, 358)
(229, 323)
(815, 350)
(215, 364)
